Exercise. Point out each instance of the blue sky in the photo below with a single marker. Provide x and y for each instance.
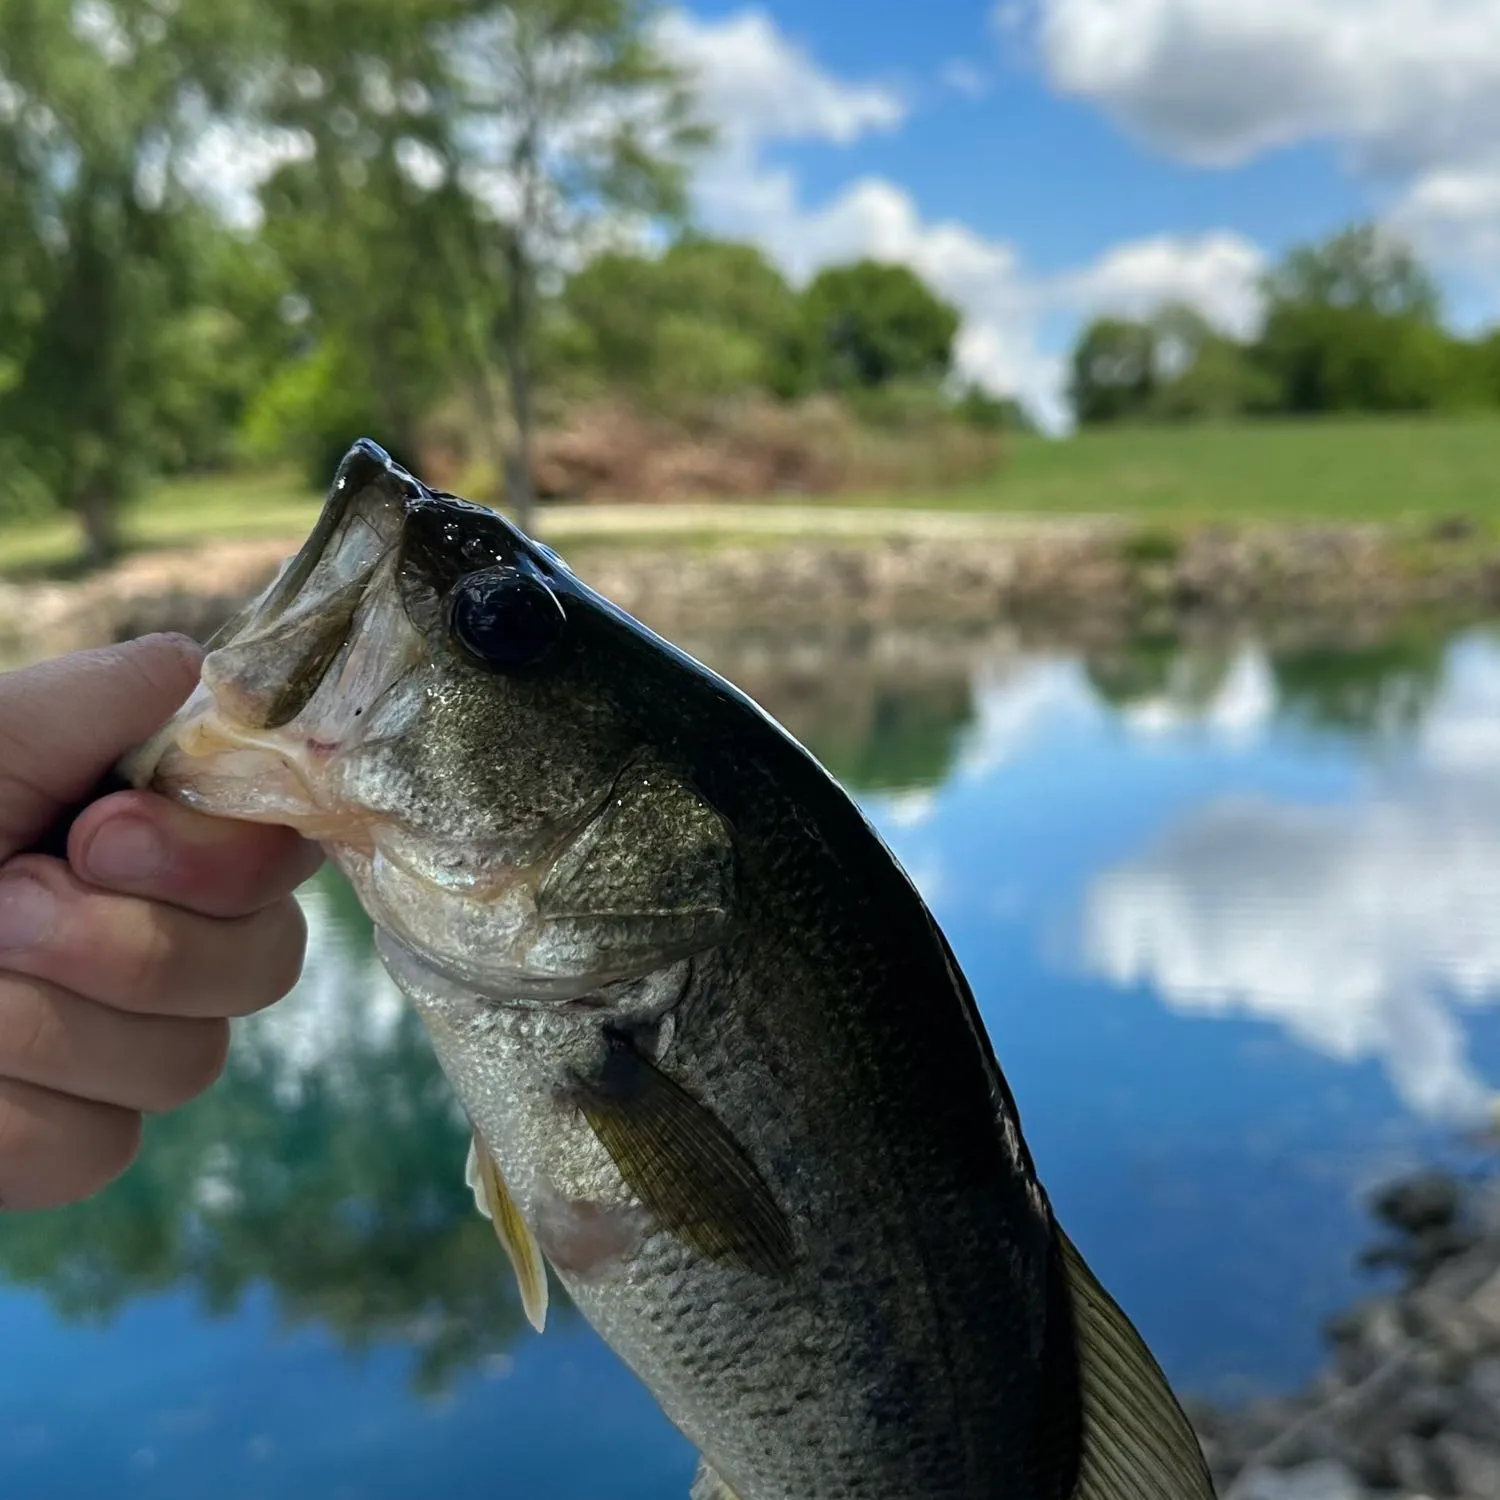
(1044, 160)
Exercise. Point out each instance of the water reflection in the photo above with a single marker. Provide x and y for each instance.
(1366, 928)
(1298, 842)
(885, 710)
(327, 1166)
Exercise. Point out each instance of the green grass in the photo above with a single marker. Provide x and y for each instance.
(177, 514)
(1407, 470)
(1345, 470)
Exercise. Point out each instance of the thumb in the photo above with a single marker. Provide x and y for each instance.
(64, 723)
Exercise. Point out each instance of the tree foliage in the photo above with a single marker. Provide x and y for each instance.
(1351, 324)
(1114, 370)
(122, 295)
(707, 318)
(871, 323)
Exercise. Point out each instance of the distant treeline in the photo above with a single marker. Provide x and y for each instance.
(252, 229)
(1351, 324)
(248, 230)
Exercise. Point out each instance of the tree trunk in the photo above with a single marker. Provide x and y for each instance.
(520, 490)
(492, 421)
(98, 513)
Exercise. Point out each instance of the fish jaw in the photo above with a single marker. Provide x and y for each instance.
(288, 689)
(205, 760)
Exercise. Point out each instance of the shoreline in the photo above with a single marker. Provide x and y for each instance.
(1080, 577)
(1407, 1404)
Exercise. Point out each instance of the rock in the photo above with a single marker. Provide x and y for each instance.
(1484, 1305)
(1475, 1468)
(1418, 1467)
(1448, 1326)
(1324, 1480)
(1427, 1200)
(1408, 1406)
(1426, 1409)
(1477, 1402)
(1455, 528)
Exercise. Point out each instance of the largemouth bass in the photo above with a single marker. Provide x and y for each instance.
(723, 1071)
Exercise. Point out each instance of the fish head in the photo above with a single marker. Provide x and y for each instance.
(480, 742)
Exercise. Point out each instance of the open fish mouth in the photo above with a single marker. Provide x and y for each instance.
(305, 671)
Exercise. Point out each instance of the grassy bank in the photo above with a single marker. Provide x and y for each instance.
(1398, 470)
(177, 514)
(1347, 470)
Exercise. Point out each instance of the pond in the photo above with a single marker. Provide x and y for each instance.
(1232, 914)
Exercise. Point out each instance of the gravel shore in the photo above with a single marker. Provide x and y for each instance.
(1408, 1403)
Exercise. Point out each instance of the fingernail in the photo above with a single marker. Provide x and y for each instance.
(126, 852)
(27, 912)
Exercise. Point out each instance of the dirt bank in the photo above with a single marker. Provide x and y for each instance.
(801, 566)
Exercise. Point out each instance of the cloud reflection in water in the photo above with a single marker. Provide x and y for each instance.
(1364, 928)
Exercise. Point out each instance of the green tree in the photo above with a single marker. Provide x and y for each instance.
(870, 324)
(375, 235)
(464, 155)
(1114, 373)
(1352, 324)
(706, 318)
(560, 114)
(1200, 372)
(1385, 687)
(981, 409)
(115, 318)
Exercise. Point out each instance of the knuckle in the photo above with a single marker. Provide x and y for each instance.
(31, 1030)
(144, 962)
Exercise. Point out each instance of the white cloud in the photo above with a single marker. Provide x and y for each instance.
(1019, 702)
(1353, 928)
(910, 809)
(1217, 273)
(758, 88)
(764, 87)
(1453, 215)
(1402, 81)
(1408, 89)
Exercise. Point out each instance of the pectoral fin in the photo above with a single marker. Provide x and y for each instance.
(708, 1486)
(495, 1203)
(1137, 1440)
(683, 1164)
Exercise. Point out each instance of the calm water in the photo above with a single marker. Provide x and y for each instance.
(1233, 918)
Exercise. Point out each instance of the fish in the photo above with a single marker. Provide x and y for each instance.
(726, 1081)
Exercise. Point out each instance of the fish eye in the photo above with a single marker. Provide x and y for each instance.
(505, 619)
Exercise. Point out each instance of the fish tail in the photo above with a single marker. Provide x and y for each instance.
(1136, 1440)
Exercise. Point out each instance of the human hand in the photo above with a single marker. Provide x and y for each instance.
(120, 965)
